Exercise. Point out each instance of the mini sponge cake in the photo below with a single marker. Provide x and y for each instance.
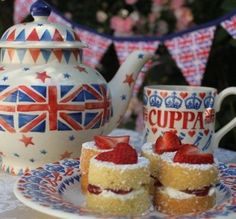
(118, 183)
(182, 177)
(152, 151)
(187, 180)
(154, 158)
(90, 149)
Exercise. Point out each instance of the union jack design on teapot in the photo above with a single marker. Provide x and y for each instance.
(50, 102)
(44, 108)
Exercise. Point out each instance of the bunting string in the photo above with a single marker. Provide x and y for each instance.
(190, 49)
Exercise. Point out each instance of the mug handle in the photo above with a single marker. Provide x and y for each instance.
(220, 133)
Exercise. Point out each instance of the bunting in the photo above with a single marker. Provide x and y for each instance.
(230, 26)
(124, 48)
(190, 49)
(21, 9)
(55, 18)
(190, 52)
(97, 46)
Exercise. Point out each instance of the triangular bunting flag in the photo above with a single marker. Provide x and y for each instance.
(33, 36)
(11, 53)
(66, 54)
(230, 26)
(55, 18)
(69, 36)
(46, 54)
(98, 45)
(21, 36)
(191, 51)
(34, 53)
(75, 53)
(58, 54)
(11, 36)
(124, 48)
(46, 36)
(21, 54)
(21, 9)
(57, 36)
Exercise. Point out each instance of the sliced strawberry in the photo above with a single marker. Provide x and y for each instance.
(123, 153)
(191, 154)
(167, 143)
(105, 156)
(108, 142)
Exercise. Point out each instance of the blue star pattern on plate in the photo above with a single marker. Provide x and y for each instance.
(67, 75)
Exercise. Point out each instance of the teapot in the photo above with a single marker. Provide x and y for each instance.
(50, 102)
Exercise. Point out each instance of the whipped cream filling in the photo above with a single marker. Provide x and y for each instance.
(173, 193)
(130, 195)
(142, 162)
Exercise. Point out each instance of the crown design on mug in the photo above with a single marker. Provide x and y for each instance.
(193, 102)
(209, 101)
(173, 101)
(155, 100)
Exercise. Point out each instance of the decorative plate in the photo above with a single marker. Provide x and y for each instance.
(55, 190)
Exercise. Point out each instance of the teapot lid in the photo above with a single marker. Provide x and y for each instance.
(40, 33)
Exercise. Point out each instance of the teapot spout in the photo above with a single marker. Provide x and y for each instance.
(122, 84)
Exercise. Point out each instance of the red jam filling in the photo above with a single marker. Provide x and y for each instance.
(198, 192)
(94, 189)
(97, 190)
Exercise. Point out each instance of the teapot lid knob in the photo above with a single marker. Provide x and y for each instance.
(40, 8)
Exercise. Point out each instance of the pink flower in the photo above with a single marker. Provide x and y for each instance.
(130, 2)
(122, 26)
(184, 18)
(175, 4)
(101, 16)
(152, 17)
(159, 2)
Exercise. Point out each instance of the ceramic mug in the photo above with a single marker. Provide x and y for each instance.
(188, 111)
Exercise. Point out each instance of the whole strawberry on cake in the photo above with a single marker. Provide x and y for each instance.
(185, 176)
(101, 143)
(118, 182)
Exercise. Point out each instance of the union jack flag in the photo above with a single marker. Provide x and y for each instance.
(65, 107)
(191, 51)
(230, 26)
(93, 55)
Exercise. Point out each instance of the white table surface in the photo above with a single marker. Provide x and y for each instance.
(11, 208)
